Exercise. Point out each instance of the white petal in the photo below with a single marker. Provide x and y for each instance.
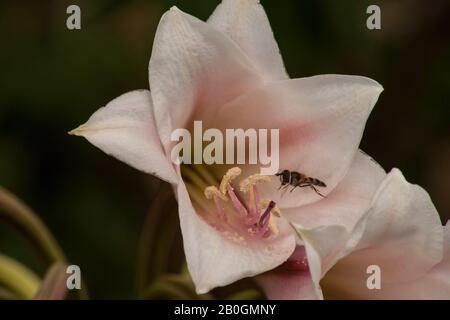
(326, 226)
(215, 260)
(348, 202)
(435, 284)
(246, 22)
(323, 246)
(321, 121)
(125, 129)
(403, 230)
(288, 284)
(401, 234)
(194, 68)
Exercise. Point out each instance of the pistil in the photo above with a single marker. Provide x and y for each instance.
(247, 218)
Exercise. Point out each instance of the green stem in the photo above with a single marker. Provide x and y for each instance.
(54, 284)
(250, 294)
(13, 211)
(157, 238)
(19, 215)
(17, 278)
(172, 286)
(7, 294)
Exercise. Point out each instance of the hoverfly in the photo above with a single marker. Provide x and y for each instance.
(296, 179)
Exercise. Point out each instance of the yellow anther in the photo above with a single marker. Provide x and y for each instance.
(264, 203)
(273, 225)
(247, 184)
(231, 174)
(276, 211)
(212, 191)
(251, 199)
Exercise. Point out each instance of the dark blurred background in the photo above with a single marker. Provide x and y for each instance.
(52, 79)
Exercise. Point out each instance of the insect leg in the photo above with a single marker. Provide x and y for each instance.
(294, 188)
(303, 185)
(284, 190)
(282, 186)
(314, 188)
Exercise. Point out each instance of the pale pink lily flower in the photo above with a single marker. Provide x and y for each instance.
(400, 233)
(228, 72)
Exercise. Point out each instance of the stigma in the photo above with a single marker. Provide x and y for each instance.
(242, 210)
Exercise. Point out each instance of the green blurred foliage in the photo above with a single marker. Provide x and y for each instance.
(53, 79)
